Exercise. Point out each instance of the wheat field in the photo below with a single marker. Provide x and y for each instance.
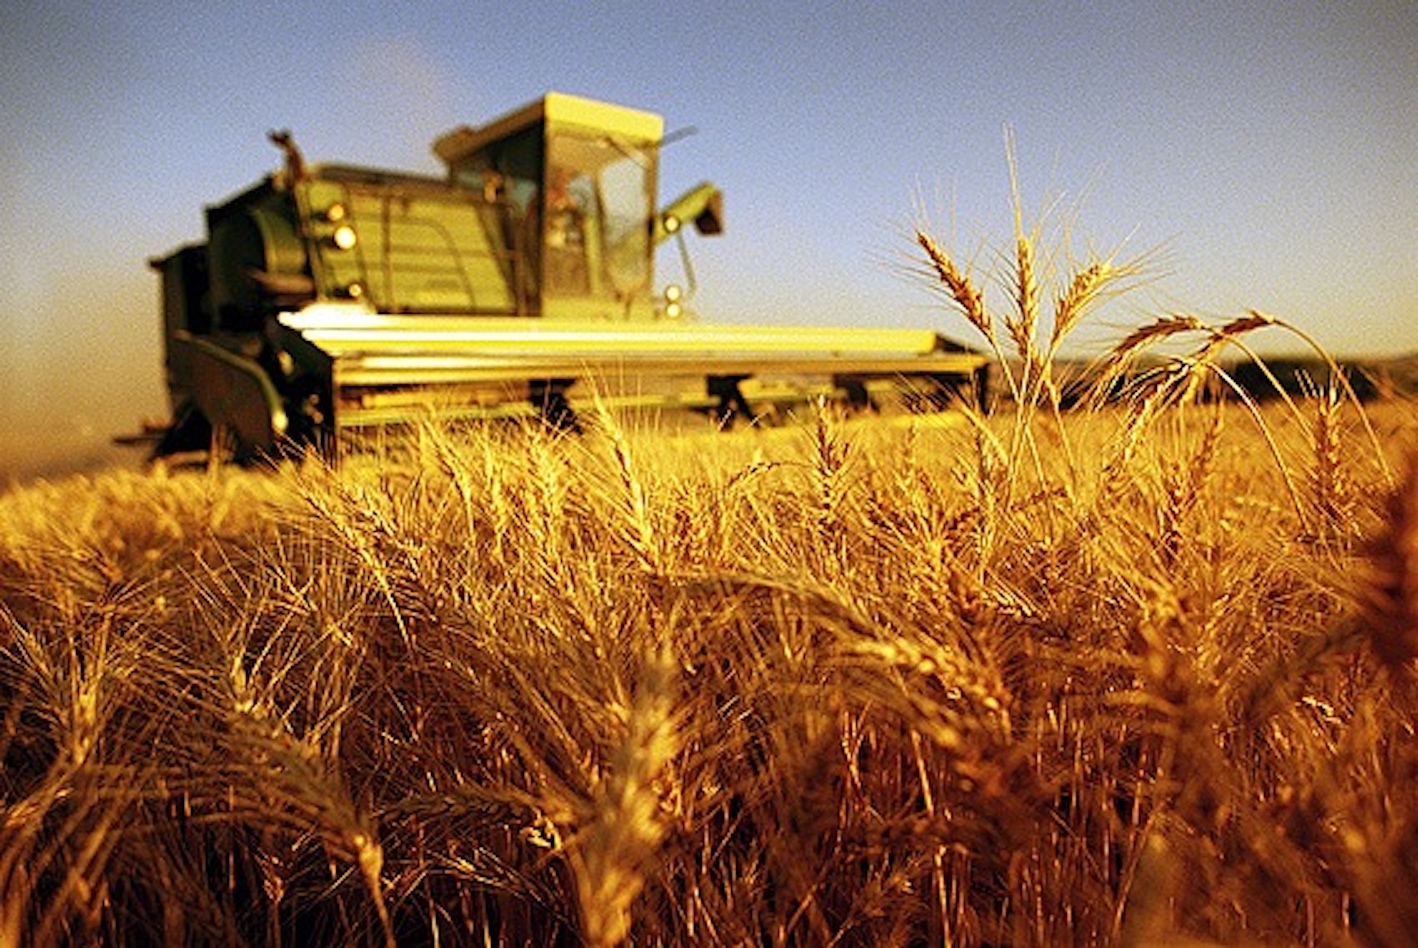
(1140, 673)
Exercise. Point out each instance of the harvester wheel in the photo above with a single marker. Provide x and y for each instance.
(732, 404)
(190, 431)
(859, 398)
(555, 409)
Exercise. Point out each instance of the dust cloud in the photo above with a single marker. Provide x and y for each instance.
(82, 364)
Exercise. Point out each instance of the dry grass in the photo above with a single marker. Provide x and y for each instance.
(1136, 675)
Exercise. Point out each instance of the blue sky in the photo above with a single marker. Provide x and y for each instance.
(1270, 150)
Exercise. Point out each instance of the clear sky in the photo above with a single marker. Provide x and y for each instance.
(1270, 149)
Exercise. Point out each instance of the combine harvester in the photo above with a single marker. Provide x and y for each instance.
(330, 300)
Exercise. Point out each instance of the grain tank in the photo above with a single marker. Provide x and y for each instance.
(328, 300)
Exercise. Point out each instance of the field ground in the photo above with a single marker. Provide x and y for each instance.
(1117, 678)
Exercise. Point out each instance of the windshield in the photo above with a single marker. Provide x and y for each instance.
(596, 214)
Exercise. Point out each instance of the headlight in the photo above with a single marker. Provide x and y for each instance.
(673, 308)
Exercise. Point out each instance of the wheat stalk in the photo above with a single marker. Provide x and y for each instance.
(1022, 324)
(1330, 490)
(640, 531)
(961, 290)
(1389, 614)
(610, 855)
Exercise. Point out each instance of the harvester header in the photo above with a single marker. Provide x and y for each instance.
(328, 298)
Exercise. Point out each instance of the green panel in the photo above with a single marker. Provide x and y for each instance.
(419, 247)
(233, 393)
(258, 236)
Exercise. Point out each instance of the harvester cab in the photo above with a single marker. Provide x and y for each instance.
(578, 180)
(329, 299)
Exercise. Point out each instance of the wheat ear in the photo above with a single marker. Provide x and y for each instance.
(1388, 618)
(962, 291)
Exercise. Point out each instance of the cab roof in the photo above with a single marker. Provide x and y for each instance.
(555, 109)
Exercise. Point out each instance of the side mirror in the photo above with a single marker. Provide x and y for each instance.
(710, 220)
(703, 204)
